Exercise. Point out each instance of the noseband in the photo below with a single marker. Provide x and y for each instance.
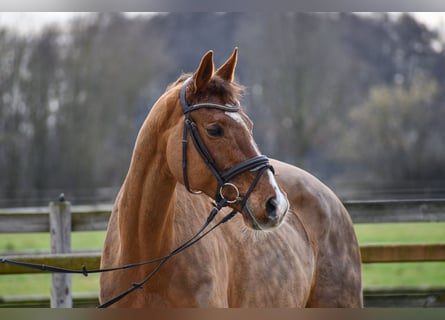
(257, 164)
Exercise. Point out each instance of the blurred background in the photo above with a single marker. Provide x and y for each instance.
(355, 99)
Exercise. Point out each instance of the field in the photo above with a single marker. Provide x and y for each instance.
(391, 274)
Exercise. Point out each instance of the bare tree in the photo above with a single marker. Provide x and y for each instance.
(302, 72)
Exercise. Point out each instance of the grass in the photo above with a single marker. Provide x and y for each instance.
(40, 241)
(381, 274)
(425, 232)
(39, 284)
(407, 273)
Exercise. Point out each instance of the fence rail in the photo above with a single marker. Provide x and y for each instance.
(384, 211)
(370, 254)
(24, 220)
(95, 218)
(374, 297)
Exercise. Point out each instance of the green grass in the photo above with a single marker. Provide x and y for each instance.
(428, 274)
(425, 232)
(381, 274)
(39, 284)
(40, 241)
(407, 273)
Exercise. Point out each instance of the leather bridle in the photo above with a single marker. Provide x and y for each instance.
(257, 164)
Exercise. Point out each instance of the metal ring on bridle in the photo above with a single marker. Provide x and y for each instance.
(228, 184)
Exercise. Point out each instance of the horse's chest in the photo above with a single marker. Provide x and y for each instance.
(236, 268)
(273, 272)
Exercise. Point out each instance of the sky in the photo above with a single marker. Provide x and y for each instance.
(30, 22)
(431, 19)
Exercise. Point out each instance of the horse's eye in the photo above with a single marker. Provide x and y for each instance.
(215, 130)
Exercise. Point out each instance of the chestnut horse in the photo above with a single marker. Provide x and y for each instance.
(291, 244)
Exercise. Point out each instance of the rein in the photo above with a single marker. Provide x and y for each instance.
(257, 164)
(135, 285)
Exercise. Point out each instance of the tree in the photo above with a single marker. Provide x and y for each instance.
(69, 104)
(107, 67)
(395, 137)
(13, 127)
(301, 74)
(37, 92)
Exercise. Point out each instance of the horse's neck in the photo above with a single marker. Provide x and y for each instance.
(147, 199)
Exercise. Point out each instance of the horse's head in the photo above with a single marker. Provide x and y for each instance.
(212, 148)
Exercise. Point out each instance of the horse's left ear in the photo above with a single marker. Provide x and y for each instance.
(204, 72)
(227, 70)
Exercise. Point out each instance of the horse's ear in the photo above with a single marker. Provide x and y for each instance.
(227, 70)
(204, 72)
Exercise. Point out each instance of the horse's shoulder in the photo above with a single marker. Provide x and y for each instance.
(330, 230)
(310, 199)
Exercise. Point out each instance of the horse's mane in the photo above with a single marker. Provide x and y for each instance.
(229, 91)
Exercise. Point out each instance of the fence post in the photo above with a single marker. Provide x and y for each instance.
(60, 226)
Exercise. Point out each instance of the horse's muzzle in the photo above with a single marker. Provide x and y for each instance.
(271, 215)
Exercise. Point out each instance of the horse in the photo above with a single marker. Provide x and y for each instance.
(290, 242)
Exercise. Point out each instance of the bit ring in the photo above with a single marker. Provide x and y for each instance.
(234, 187)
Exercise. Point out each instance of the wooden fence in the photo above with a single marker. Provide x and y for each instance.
(60, 218)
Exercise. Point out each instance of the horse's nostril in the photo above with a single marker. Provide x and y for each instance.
(271, 208)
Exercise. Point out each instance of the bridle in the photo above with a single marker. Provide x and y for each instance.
(257, 164)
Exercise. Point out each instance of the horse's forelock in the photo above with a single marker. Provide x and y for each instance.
(229, 91)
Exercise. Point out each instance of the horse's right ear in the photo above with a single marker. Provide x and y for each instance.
(204, 72)
(227, 70)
